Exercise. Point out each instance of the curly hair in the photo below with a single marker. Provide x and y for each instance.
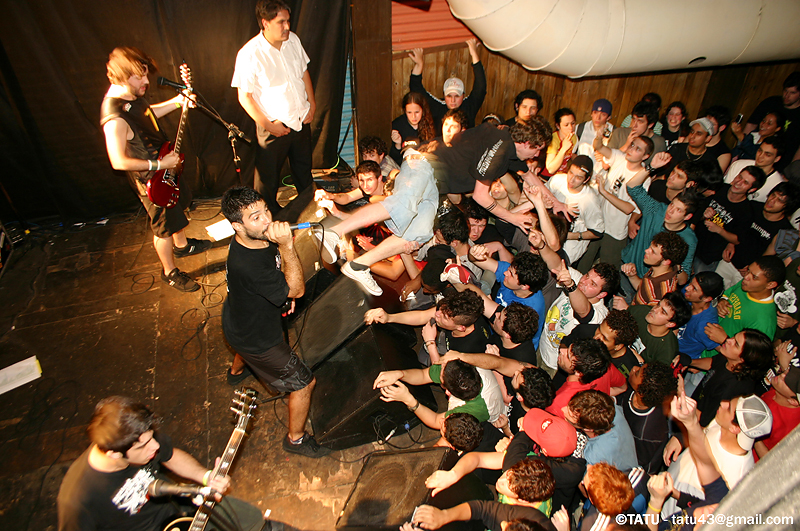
(235, 200)
(522, 322)
(536, 389)
(461, 379)
(594, 410)
(610, 276)
(425, 126)
(536, 132)
(608, 489)
(591, 359)
(658, 382)
(458, 115)
(453, 226)
(528, 94)
(532, 270)
(463, 431)
(118, 422)
(372, 144)
(673, 247)
(624, 325)
(531, 480)
(464, 308)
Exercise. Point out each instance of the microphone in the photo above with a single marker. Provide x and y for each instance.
(165, 488)
(164, 82)
(304, 225)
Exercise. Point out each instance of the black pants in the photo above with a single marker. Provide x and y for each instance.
(270, 156)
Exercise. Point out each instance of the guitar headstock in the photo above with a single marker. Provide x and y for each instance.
(186, 75)
(243, 405)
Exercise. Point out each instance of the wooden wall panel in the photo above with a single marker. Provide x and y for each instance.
(506, 79)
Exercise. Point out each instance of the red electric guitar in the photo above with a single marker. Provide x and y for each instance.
(162, 188)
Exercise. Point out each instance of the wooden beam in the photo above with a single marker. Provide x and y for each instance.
(372, 67)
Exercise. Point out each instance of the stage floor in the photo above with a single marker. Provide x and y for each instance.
(88, 302)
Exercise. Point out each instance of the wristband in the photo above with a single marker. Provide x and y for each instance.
(206, 477)
(571, 288)
(414, 407)
(429, 342)
(149, 165)
(158, 164)
(653, 508)
(178, 105)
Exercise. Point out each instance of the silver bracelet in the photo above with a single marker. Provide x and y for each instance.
(149, 165)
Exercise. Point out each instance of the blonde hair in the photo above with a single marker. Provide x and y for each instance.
(127, 61)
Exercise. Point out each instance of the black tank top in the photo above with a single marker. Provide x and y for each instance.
(147, 135)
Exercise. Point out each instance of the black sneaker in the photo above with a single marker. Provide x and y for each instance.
(308, 447)
(236, 379)
(193, 246)
(180, 280)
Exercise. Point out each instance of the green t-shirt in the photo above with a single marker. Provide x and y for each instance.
(747, 312)
(475, 407)
(662, 349)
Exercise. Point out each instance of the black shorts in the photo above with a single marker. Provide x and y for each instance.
(164, 222)
(280, 368)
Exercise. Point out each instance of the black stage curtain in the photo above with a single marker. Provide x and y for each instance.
(52, 68)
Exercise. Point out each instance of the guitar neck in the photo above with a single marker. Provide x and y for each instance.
(181, 127)
(201, 517)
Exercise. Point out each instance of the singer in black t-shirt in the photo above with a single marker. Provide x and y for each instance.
(263, 272)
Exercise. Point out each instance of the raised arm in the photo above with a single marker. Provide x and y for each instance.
(549, 231)
(490, 362)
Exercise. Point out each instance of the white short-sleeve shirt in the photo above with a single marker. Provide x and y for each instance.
(275, 78)
(590, 215)
(616, 221)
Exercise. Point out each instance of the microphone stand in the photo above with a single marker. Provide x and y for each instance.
(234, 133)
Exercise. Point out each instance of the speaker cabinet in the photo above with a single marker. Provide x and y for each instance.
(392, 484)
(345, 410)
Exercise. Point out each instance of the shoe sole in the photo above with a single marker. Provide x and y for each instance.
(349, 273)
(328, 254)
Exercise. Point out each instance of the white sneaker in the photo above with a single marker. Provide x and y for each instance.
(330, 244)
(364, 278)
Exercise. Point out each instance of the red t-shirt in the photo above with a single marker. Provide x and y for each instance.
(612, 378)
(784, 420)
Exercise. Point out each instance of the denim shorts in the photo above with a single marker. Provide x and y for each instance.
(413, 203)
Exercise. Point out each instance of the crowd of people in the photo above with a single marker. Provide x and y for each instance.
(610, 310)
